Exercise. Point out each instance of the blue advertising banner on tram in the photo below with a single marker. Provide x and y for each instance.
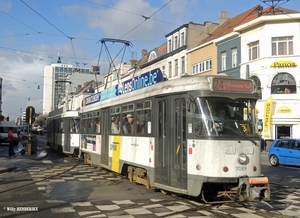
(146, 79)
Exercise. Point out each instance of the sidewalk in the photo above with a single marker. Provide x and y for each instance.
(10, 163)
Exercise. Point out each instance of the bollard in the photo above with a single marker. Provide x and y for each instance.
(29, 145)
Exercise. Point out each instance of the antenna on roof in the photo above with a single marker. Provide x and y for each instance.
(274, 3)
(58, 58)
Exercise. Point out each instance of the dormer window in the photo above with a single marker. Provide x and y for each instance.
(175, 42)
(152, 56)
(169, 45)
(182, 43)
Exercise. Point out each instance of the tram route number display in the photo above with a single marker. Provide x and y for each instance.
(234, 85)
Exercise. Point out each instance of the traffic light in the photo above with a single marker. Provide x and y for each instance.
(30, 115)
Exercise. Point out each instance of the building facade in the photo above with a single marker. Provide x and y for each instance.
(271, 55)
(60, 80)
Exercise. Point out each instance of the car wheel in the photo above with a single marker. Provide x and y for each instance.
(274, 161)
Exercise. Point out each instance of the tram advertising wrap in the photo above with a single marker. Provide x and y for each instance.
(144, 80)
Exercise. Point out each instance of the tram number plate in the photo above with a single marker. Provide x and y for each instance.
(241, 168)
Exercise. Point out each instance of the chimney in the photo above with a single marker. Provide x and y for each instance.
(223, 16)
(133, 62)
(144, 53)
(259, 11)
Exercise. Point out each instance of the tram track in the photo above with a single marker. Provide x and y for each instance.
(28, 166)
(194, 203)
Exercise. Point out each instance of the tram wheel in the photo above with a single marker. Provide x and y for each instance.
(274, 161)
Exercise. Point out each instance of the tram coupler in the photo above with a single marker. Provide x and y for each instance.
(253, 189)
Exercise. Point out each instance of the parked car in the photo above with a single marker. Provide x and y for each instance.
(285, 151)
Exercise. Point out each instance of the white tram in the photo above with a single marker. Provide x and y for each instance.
(167, 135)
(63, 131)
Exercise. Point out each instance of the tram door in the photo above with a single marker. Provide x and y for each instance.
(105, 137)
(67, 135)
(171, 142)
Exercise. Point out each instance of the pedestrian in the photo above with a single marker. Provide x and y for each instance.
(10, 139)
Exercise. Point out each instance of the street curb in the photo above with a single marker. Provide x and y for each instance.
(9, 169)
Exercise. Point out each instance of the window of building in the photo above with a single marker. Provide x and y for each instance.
(202, 67)
(234, 57)
(163, 69)
(170, 45)
(258, 85)
(223, 61)
(175, 42)
(176, 67)
(183, 65)
(170, 69)
(283, 83)
(195, 68)
(182, 39)
(282, 45)
(208, 64)
(253, 50)
(152, 56)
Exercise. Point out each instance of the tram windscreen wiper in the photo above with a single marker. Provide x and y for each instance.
(236, 131)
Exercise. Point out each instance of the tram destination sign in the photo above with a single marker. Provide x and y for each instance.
(232, 85)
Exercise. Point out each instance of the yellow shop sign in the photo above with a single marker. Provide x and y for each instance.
(284, 109)
(284, 64)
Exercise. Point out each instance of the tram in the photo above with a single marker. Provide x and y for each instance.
(167, 135)
(63, 131)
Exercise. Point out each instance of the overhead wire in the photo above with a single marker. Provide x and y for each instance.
(69, 37)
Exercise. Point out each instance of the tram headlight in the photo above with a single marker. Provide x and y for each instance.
(242, 158)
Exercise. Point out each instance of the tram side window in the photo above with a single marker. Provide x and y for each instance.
(115, 120)
(97, 125)
(143, 117)
(61, 126)
(89, 123)
(115, 124)
(90, 128)
(84, 125)
(74, 125)
(96, 116)
(128, 119)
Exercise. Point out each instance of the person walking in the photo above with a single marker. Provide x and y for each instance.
(10, 139)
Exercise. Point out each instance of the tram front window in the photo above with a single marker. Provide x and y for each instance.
(224, 117)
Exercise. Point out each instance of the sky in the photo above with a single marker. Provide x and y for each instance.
(34, 32)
